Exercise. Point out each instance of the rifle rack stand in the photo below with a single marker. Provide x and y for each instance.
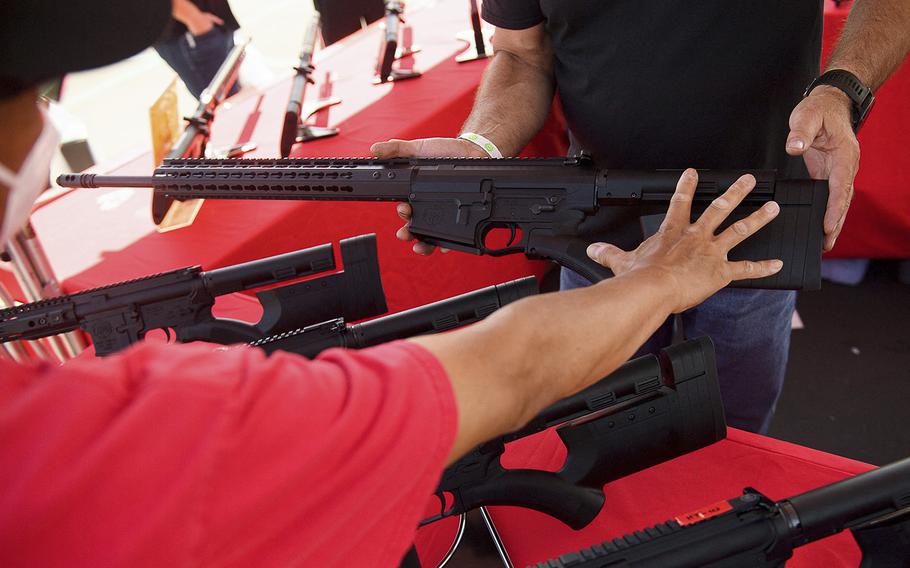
(306, 132)
(407, 49)
(477, 38)
(472, 53)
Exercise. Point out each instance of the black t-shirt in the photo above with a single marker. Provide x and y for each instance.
(673, 84)
(220, 8)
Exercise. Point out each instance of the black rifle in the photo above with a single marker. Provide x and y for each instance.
(119, 315)
(457, 202)
(195, 136)
(430, 318)
(649, 411)
(389, 48)
(294, 128)
(754, 531)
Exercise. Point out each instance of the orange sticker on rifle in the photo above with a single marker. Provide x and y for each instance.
(704, 513)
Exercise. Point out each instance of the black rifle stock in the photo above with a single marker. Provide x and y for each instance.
(118, 315)
(458, 202)
(195, 136)
(648, 411)
(437, 317)
(752, 530)
(293, 128)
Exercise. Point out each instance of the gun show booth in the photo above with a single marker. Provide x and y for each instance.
(95, 237)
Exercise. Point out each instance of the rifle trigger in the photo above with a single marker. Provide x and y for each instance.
(512, 233)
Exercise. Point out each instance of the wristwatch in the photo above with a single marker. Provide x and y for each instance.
(859, 94)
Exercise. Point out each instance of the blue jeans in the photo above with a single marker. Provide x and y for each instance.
(751, 332)
(196, 59)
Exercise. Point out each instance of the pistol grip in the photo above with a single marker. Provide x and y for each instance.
(570, 252)
(542, 491)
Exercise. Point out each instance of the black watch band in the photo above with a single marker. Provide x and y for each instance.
(859, 94)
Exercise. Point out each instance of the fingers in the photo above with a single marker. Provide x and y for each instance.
(805, 122)
(745, 228)
(394, 149)
(680, 210)
(720, 208)
(216, 19)
(747, 269)
(404, 211)
(840, 187)
(607, 255)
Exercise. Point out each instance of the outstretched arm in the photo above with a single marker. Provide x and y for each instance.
(876, 38)
(529, 354)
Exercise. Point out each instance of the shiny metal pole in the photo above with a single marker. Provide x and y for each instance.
(73, 341)
(36, 278)
(16, 350)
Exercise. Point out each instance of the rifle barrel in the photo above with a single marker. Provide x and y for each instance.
(442, 315)
(831, 508)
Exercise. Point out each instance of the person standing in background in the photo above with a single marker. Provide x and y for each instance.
(197, 41)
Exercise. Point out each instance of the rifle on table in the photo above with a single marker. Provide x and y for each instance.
(649, 411)
(195, 137)
(119, 315)
(295, 128)
(389, 48)
(437, 317)
(754, 531)
(458, 202)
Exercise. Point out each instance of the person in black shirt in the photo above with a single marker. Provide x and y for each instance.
(197, 41)
(711, 84)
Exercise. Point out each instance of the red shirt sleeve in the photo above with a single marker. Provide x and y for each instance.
(179, 455)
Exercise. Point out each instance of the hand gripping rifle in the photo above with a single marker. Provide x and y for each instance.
(754, 531)
(649, 411)
(457, 202)
(295, 116)
(430, 318)
(195, 137)
(119, 315)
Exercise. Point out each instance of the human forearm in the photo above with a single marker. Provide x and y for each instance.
(541, 349)
(512, 103)
(184, 11)
(875, 39)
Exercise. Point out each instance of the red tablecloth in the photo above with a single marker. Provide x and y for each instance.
(721, 471)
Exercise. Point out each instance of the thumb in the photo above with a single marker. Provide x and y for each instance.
(605, 254)
(393, 149)
(805, 122)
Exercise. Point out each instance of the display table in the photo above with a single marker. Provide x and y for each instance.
(96, 237)
(720, 471)
(99, 236)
